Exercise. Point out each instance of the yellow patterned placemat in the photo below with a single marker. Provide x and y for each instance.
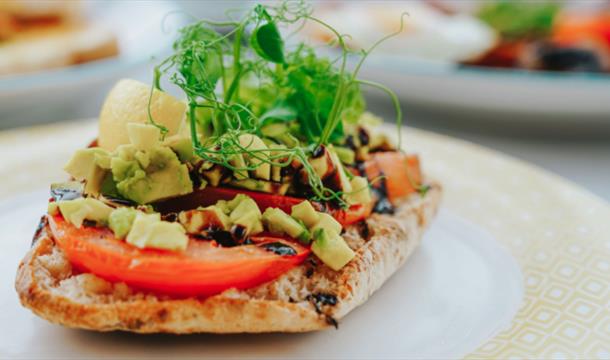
(559, 234)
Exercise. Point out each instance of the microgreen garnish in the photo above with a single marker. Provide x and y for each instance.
(243, 78)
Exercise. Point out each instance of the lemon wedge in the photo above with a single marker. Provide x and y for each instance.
(127, 103)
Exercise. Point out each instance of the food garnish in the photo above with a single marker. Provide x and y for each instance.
(270, 159)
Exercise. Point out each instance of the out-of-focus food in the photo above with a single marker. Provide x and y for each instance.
(428, 32)
(533, 35)
(37, 35)
(547, 36)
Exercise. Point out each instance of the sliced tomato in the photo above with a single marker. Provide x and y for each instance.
(210, 195)
(402, 173)
(354, 214)
(574, 28)
(204, 269)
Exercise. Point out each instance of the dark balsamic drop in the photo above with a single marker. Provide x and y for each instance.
(279, 248)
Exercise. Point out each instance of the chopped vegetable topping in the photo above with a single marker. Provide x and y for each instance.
(242, 86)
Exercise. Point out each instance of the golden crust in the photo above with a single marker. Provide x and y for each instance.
(47, 285)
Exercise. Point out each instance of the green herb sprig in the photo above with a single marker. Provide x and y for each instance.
(238, 77)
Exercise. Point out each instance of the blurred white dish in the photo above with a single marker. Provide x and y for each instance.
(144, 29)
(426, 32)
(421, 64)
(546, 98)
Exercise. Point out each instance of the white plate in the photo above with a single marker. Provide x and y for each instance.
(74, 91)
(458, 290)
(536, 99)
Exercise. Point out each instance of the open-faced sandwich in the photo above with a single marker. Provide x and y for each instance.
(265, 201)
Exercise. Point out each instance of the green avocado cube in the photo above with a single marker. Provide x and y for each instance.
(183, 147)
(144, 136)
(278, 222)
(85, 165)
(361, 193)
(148, 231)
(121, 220)
(78, 210)
(147, 176)
(245, 213)
(250, 222)
(330, 247)
(305, 212)
(346, 155)
(198, 220)
(327, 222)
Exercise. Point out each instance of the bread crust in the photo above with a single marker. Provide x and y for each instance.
(48, 286)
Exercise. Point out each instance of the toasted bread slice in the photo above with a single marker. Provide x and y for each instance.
(309, 297)
(56, 46)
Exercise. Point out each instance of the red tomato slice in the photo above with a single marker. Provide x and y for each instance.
(210, 195)
(402, 172)
(354, 214)
(204, 269)
(573, 28)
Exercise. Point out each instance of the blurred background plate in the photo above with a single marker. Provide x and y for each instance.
(529, 67)
(553, 103)
(144, 29)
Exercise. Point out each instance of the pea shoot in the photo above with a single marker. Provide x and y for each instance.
(239, 76)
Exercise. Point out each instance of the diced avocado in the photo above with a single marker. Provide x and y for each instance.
(330, 247)
(147, 176)
(142, 157)
(322, 163)
(276, 171)
(213, 175)
(288, 139)
(379, 141)
(230, 205)
(120, 221)
(361, 194)
(254, 143)
(182, 146)
(369, 119)
(78, 210)
(281, 133)
(84, 165)
(261, 186)
(362, 153)
(244, 205)
(83, 162)
(274, 130)
(238, 162)
(346, 155)
(247, 214)
(326, 221)
(250, 222)
(108, 186)
(211, 217)
(148, 231)
(343, 181)
(305, 212)
(144, 136)
(223, 205)
(278, 222)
